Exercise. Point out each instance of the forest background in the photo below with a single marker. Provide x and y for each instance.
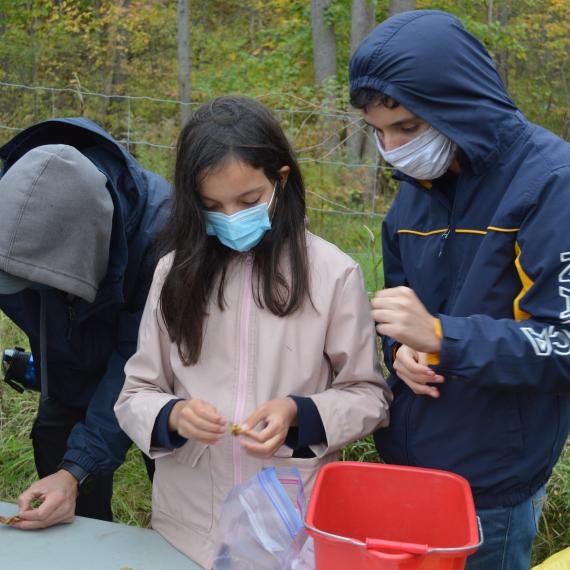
(139, 67)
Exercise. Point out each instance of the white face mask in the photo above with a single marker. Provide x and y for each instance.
(425, 157)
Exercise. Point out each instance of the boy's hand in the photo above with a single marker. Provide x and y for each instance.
(198, 420)
(402, 316)
(275, 417)
(411, 367)
(57, 492)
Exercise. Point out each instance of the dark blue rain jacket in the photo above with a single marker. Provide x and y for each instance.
(89, 343)
(491, 259)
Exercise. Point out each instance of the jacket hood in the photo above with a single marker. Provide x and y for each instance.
(429, 63)
(127, 183)
(129, 189)
(57, 220)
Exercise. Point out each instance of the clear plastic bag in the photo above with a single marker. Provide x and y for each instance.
(304, 557)
(261, 524)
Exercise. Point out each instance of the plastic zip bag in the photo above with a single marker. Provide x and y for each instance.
(261, 524)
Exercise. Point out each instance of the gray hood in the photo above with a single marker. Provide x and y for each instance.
(56, 220)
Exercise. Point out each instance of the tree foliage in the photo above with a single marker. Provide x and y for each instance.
(257, 47)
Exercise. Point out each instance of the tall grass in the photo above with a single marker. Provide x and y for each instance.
(555, 523)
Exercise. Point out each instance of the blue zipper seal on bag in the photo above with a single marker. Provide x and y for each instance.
(280, 500)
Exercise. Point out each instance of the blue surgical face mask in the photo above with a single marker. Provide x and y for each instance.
(243, 230)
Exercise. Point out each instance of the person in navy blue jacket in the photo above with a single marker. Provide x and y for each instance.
(76, 262)
(475, 313)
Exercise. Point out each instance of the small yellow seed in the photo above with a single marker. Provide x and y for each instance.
(236, 429)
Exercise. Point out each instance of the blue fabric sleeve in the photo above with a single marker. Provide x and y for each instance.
(505, 354)
(310, 429)
(161, 436)
(98, 444)
(532, 353)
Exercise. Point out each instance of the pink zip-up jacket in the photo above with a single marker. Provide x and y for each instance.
(249, 356)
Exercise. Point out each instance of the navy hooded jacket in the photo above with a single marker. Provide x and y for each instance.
(88, 344)
(491, 259)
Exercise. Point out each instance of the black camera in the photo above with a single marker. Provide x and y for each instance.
(19, 369)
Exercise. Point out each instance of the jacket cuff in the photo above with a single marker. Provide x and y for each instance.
(433, 358)
(161, 436)
(84, 461)
(453, 347)
(75, 470)
(310, 429)
(394, 350)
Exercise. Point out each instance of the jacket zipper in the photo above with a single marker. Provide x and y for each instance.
(70, 318)
(444, 237)
(450, 228)
(452, 257)
(243, 364)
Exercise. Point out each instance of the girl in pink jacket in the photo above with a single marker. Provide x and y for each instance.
(251, 321)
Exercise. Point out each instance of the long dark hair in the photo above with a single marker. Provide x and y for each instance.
(245, 130)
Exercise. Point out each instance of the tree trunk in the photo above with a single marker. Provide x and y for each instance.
(324, 59)
(363, 20)
(118, 38)
(490, 12)
(324, 43)
(397, 6)
(503, 55)
(34, 55)
(184, 59)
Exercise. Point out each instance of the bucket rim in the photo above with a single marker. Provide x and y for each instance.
(392, 467)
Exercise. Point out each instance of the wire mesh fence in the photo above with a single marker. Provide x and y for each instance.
(343, 184)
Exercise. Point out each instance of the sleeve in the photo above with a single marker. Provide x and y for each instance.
(149, 383)
(531, 351)
(394, 276)
(98, 444)
(161, 435)
(357, 401)
(310, 429)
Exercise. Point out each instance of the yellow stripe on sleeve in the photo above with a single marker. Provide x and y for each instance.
(433, 357)
(526, 282)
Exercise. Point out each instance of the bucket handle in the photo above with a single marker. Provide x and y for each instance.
(408, 547)
(395, 546)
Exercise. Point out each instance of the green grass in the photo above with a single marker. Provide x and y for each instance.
(359, 236)
(555, 523)
(131, 498)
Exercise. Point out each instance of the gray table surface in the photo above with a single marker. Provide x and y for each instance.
(87, 544)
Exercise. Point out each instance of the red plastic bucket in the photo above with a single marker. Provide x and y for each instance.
(389, 517)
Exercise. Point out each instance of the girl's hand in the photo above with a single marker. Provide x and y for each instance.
(275, 417)
(198, 420)
(411, 367)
